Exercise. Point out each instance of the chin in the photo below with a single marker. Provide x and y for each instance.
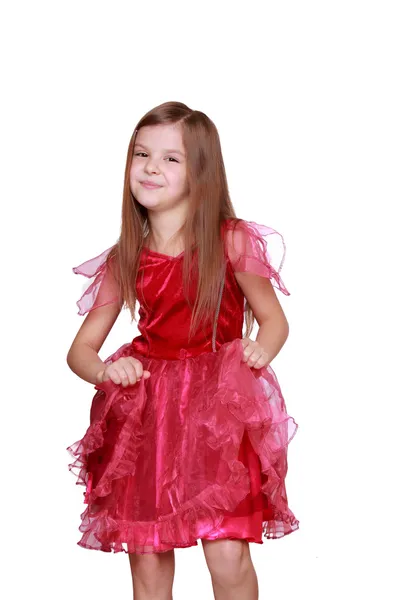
(147, 204)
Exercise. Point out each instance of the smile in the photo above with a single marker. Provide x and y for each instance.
(150, 186)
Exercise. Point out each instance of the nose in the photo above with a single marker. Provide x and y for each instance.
(151, 166)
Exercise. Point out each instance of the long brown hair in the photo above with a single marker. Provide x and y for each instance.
(210, 205)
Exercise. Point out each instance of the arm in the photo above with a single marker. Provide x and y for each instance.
(101, 300)
(82, 357)
(257, 265)
(273, 325)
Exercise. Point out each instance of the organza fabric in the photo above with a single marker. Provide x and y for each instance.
(103, 289)
(199, 449)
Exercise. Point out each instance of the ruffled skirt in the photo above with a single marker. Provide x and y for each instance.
(196, 451)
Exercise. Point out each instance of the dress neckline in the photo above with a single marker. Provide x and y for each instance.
(167, 256)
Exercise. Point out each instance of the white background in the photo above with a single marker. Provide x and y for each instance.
(305, 96)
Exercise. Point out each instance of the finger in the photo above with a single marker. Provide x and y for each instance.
(138, 368)
(115, 375)
(140, 371)
(249, 351)
(253, 358)
(126, 377)
(256, 353)
(130, 371)
(135, 366)
(262, 361)
(258, 364)
(117, 372)
(245, 342)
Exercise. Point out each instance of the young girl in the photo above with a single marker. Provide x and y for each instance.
(188, 428)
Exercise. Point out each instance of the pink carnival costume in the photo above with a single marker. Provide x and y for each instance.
(199, 449)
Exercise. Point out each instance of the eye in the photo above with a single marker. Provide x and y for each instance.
(168, 158)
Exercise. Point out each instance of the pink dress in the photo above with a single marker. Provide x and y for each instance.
(199, 449)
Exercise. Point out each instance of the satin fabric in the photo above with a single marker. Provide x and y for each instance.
(199, 450)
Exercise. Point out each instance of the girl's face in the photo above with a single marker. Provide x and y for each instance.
(159, 157)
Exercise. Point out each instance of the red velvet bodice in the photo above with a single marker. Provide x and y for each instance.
(165, 314)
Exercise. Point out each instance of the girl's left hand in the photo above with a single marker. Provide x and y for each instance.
(254, 354)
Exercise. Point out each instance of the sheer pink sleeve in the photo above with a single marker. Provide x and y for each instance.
(103, 289)
(257, 249)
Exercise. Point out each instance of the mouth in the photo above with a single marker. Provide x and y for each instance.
(149, 185)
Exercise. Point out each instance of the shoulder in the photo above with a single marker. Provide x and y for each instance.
(255, 248)
(235, 229)
(239, 235)
(233, 223)
(103, 287)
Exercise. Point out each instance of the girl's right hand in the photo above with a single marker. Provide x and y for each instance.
(125, 370)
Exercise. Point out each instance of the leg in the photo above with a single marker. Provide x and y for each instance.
(232, 572)
(152, 575)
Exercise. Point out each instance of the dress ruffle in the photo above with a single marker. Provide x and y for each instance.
(160, 458)
(103, 289)
(258, 249)
(250, 247)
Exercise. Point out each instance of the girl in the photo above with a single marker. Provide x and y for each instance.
(188, 428)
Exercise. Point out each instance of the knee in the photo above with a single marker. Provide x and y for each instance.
(228, 561)
(152, 573)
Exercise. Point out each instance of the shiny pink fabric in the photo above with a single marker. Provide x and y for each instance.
(102, 290)
(198, 450)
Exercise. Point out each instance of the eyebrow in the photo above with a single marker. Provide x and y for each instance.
(165, 149)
